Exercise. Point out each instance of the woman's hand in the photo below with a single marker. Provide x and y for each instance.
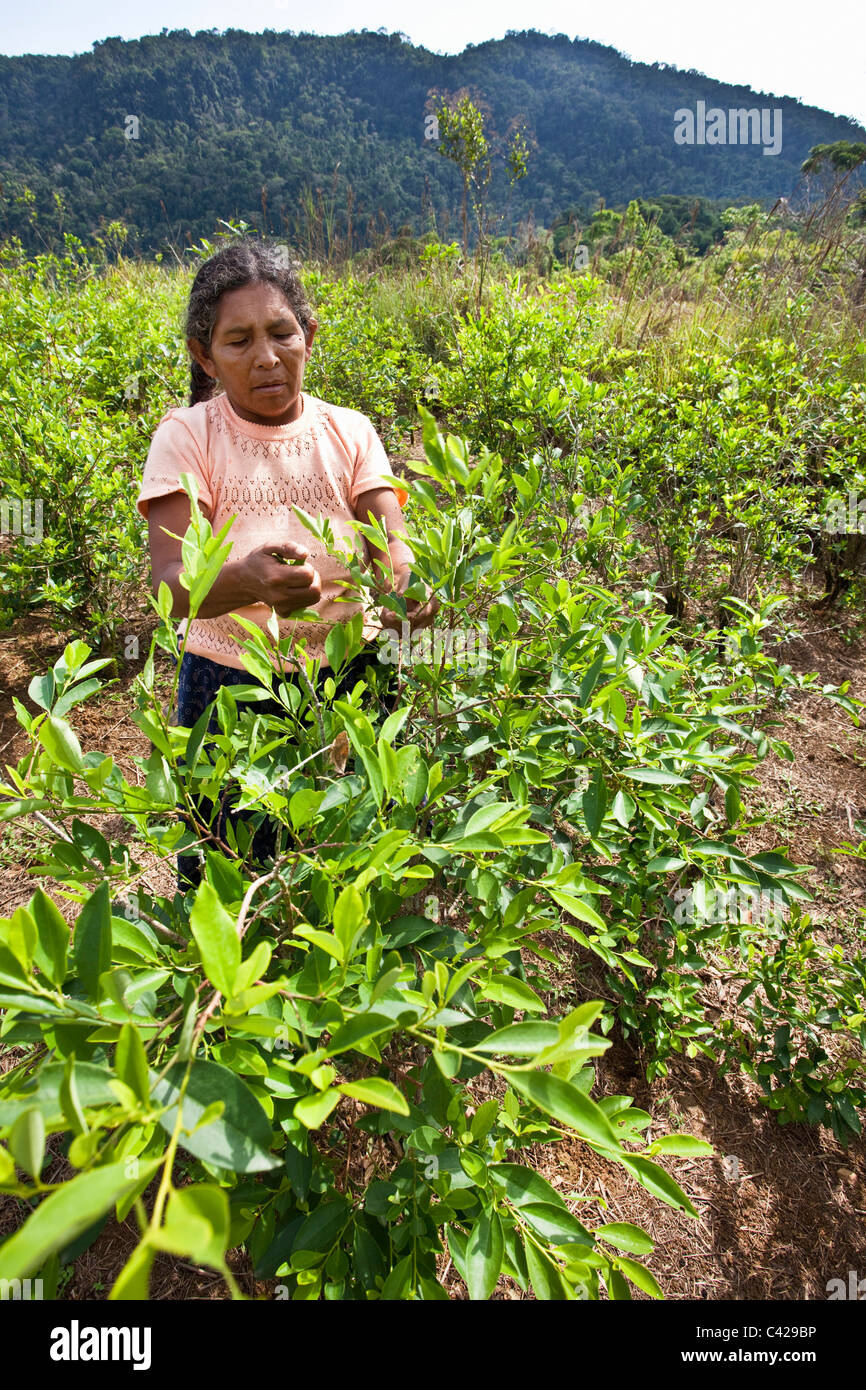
(380, 504)
(283, 578)
(419, 612)
(279, 575)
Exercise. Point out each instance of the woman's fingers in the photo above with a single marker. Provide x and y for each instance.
(423, 616)
(295, 576)
(288, 551)
(417, 615)
(389, 619)
(296, 594)
(285, 578)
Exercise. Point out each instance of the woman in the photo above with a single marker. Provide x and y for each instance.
(257, 448)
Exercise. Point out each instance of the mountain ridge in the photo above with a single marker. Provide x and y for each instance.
(222, 116)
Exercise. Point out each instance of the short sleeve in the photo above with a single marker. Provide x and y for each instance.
(373, 467)
(174, 450)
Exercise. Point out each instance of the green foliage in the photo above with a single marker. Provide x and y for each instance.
(364, 359)
(514, 374)
(352, 1045)
(86, 374)
(741, 458)
(461, 137)
(736, 466)
(804, 1033)
(244, 1023)
(283, 1017)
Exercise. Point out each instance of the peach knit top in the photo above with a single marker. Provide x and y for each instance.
(321, 462)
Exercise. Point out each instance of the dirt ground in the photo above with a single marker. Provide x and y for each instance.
(781, 1207)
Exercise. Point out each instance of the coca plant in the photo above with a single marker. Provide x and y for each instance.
(636, 748)
(347, 1076)
(350, 1080)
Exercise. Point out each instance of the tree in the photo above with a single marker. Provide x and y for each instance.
(841, 156)
(841, 159)
(463, 140)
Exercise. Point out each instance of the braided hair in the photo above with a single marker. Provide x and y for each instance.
(236, 265)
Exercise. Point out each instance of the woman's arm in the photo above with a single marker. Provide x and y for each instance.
(381, 504)
(260, 577)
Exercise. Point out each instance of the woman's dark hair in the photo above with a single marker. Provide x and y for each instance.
(236, 265)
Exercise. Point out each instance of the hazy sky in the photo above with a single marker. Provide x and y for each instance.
(816, 52)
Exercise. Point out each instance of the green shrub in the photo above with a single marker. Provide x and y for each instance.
(86, 375)
(281, 1017)
(549, 785)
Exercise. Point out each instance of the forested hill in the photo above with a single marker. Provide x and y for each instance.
(222, 117)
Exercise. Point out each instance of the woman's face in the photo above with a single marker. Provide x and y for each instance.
(258, 352)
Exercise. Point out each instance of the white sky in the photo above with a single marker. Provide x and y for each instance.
(813, 51)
